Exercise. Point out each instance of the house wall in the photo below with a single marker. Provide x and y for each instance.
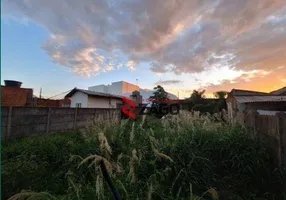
(12, 96)
(79, 97)
(117, 88)
(241, 107)
(52, 103)
(128, 87)
(99, 88)
(101, 102)
(271, 106)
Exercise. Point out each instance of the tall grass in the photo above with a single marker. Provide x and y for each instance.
(185, 156)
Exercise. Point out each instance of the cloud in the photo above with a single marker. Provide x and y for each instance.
(258, 80)
(168, 82)
(185, 36)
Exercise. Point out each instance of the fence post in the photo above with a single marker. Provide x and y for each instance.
(48, 121)
(9, 124)
(75, 115)
(281, 137)
(278, 137)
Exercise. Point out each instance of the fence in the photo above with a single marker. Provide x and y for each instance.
(25, 121)
(271, 128)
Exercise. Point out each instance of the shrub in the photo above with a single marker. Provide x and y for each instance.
(183, 156)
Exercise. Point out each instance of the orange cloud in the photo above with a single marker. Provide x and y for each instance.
(259, 81)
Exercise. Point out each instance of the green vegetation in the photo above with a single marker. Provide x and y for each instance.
(186, 156)
(198, 102)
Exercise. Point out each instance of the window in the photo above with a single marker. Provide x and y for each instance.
(78, 105)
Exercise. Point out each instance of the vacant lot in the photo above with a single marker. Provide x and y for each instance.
(186, 156)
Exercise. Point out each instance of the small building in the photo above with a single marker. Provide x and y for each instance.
(243, 101)
(89, 99)
(14, 95)
(56, 103)
(281, 91)
(117, 88)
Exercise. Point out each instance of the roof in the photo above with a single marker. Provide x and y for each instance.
(92, 93)
(254, 99)
(279, 91)
(239, 92)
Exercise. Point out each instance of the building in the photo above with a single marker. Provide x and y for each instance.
(281, 91)
(14, 95)
(244, 101)
(56, 103)
(89, 99)
(117, 88)
(124, 88)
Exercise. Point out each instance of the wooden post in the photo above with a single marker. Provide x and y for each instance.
(9, 124)
(278, 138)
(48, 121)
(254, 123)
(75, 115)
(283, 139)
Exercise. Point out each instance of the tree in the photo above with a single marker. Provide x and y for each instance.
(136, 97)
(158, 100)
(221, 94)
(160, 95)
(197, 96)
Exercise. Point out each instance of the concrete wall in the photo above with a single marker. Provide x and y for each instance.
(100, 102)
(129, 88)
(99, 88)
(115, 88)
(79, 97)
(118, 88)
(26, 121)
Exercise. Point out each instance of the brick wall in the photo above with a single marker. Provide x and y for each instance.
(12, 96)
(52, 103)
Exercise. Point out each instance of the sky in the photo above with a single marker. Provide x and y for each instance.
(180, 44)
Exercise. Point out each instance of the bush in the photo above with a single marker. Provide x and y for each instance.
(180, 157)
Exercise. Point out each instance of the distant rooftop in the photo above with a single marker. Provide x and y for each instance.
(239, 92)
(256, 99)
(279, 91)
(92, 93)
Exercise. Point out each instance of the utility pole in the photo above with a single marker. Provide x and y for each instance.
(40, 93)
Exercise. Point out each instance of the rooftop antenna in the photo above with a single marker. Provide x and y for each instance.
(137, 81)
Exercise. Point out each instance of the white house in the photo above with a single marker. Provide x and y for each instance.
(89, 99)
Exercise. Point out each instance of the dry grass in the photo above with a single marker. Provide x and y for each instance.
(184, 156)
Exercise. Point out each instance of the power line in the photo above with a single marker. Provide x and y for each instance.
(61, 94)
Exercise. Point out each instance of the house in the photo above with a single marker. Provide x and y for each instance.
(56, 103)
(90, 99)
(242, 101)
(14, 95)
(281, 91)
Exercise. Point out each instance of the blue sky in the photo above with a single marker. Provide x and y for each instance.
(23, 59)
(190, 44)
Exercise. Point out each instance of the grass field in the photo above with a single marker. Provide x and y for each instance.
(186, 156)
